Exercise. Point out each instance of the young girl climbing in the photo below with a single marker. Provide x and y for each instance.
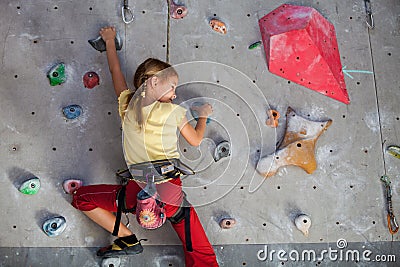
(150, 122)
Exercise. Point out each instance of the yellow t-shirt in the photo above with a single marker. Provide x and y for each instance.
(158, 138)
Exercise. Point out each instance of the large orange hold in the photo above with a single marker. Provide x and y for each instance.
(301, 46)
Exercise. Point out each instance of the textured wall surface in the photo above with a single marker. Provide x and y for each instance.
(344, 196)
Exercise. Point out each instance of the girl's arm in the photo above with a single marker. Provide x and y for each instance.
(108, 35)
(194, 136)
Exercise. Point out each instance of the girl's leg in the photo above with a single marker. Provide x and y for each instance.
(203, 254)
(106, 220)
(98, 202)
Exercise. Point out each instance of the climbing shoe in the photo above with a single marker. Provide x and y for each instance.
(128, 245)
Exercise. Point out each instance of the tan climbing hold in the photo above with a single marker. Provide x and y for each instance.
(273, 117)
(297, 147)
(303, 223)
(218, 26)
(227, 223)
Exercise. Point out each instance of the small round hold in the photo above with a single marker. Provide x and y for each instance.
(54, 226)
(57, 74)
(303, 223)
(30, 187)
(72, 111)
(70, 186)
(227, 223)
(108, 262)
(91, 79)
(218, 26)
(273, 118)
(178, 12)
(222, 150)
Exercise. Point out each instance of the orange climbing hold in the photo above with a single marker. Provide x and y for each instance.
(218, 26)
(297, 147)
(273, 117)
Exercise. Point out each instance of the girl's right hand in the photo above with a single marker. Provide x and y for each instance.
(204, 111)
(108, 33)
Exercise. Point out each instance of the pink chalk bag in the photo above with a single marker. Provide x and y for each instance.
(150, 211)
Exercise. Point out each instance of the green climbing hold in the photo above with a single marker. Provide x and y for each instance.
(30, 187)
(254, 45)
(57, 75)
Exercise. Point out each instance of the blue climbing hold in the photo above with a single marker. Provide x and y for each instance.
(195, 114)
(72, 111)
(54, 226)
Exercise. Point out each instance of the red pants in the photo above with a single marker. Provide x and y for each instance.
(105, 197)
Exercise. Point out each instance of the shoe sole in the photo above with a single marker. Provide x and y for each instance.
(126, 252)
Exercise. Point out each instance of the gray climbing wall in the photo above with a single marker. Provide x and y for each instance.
(343, 197)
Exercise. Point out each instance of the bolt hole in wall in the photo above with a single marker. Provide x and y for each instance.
(54, 148)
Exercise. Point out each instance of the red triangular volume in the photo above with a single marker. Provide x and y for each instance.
(301, 46)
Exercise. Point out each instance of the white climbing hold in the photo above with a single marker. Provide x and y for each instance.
(107, 262)
(303, 223)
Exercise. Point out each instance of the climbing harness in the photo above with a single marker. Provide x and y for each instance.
(161, 171)
(391, 219)
(369, 17)
(127, 14)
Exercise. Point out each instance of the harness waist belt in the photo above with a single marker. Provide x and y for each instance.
(161, 169)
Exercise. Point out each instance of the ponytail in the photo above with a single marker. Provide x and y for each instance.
(146, 70)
